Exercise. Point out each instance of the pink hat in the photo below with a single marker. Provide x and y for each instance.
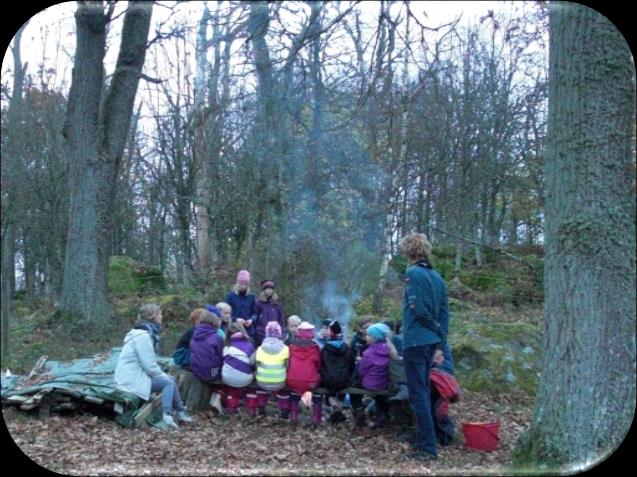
(273, 329)
(243, 277)
(305, 330)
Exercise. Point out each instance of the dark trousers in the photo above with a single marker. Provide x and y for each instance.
(418, 361)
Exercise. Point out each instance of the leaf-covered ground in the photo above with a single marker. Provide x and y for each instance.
(84, 444)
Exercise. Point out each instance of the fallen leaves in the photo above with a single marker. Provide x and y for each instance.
(82, 444)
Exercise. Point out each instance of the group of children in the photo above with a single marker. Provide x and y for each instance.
(246, 348)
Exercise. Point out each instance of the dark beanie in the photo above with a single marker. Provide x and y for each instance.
(267, 284)
(335, 329)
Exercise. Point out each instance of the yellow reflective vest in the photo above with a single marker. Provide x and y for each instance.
(271, 368)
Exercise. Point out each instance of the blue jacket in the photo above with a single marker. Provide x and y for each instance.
(425, 304)
(243, 306)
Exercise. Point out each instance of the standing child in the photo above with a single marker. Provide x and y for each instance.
(373, 370)
(206, 348)
(293, 325)
(303, 372)
(269, 309)
(243, 303)
(272, 361)
(337, 366)
(238, 365)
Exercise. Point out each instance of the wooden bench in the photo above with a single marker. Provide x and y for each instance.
(368, 392)
(196, 394)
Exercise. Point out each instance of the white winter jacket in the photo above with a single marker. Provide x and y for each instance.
(136, 364)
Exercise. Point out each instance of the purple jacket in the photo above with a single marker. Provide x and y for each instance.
(266, 312)
(374, 367)
(206, 353)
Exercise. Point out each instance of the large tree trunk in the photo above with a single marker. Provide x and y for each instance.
(95, 134)
(586, 399)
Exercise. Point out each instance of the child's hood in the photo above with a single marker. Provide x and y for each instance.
(335, 347)
(272, 345)
(378, 352)
(203, 332)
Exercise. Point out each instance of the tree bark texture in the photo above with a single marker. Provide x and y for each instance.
(586, 398)
(95, 131)
(10, 152)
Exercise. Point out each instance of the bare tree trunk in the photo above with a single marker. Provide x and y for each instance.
(586, 399)
(95, 132)
(6, 319)
(202, 162)
(10, 152)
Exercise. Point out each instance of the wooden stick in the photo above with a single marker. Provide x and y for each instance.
(146, 410)
(38, 366)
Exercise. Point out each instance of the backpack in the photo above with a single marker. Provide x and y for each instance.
(182, 357)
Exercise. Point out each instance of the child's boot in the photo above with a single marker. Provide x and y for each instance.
(317, 410)
(337, 416)
(283, 403)
(294, 412)
(379, 421)
(359, 417)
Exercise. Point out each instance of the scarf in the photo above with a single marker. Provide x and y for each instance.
(153, 328)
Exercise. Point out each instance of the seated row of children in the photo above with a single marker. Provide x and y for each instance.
(289, 367)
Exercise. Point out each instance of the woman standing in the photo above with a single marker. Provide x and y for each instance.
(137, 371)
(425, 326)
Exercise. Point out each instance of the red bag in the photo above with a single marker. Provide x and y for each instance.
(446, 384)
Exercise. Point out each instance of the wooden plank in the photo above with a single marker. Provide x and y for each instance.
(146, 410)
(94, 399)
(16, 399)
(352, 391)
(39, 364)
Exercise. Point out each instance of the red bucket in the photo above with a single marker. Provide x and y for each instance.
(481, 435)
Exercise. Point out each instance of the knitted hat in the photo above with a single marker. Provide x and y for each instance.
(378, 331)
(326, 323)
(336, 332)
(243, 277)
(305, 330)
(267, 284)
(214, 309)
(273, 330)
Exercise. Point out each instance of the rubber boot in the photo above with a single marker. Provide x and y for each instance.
(359, 417)
(337, 416)
(379, 421)
(317, 413)
(294, 412)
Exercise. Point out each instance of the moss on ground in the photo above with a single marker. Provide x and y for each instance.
(126, 276)
(496, 355)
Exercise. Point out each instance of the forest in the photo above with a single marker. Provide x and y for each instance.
(150, 150)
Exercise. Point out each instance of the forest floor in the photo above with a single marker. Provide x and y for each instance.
(85, 444)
